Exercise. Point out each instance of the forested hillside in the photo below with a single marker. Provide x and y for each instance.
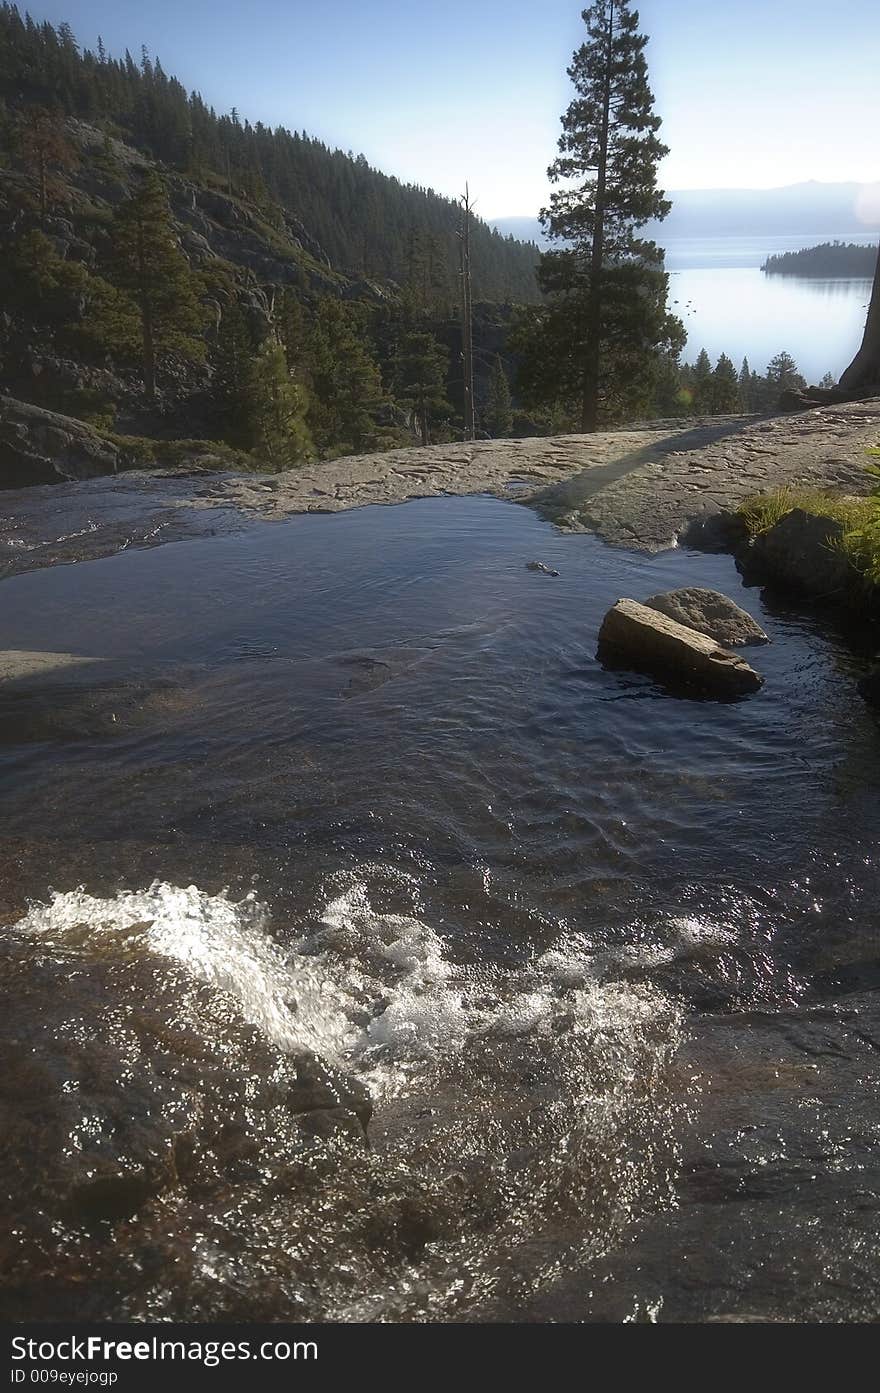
(366, 222)
(168, 274)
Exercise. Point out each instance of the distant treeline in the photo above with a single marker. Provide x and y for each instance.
(843, 259)
(698, 389)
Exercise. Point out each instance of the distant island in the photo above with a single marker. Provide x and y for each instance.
(846, 260)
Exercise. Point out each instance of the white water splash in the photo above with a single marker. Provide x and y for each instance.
(218, 941)
(513, 1096)
(368, 991)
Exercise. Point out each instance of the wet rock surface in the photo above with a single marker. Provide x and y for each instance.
(17, 664)
(779, 1179)
(60, 524)
(129, 1092)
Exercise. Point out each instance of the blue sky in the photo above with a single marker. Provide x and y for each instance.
(753, 93)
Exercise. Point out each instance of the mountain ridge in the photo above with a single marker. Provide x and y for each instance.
(369, 224)
(807, 208)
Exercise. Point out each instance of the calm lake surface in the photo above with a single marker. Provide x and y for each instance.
(363, 775)
(729, 306)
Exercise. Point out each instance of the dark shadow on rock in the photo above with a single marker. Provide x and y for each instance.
(568, 495)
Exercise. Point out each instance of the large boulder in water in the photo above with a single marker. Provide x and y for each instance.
(643, 640)
(710, 613)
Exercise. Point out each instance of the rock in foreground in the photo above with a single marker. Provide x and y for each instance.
(710, 613)
(643, 640)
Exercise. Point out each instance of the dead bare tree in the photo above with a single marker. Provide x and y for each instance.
(467, 316)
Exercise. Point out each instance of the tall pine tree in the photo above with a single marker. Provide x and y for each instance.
(345, 386)
(607, 315)
(47, 151)
(499, 409)
(725, 387)
(147, 263)
(420, 380)
(744, 393)
(276, 410)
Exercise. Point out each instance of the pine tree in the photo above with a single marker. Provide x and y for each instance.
(702, 382)
(499, 408)
(608, 288)
(744, 392)
(420, 380)
(671, 397)
(725, 387)
(147, 264)
(345, 386)
(276, 407)
(46, 150)
(783, 376)
(759, 393)
(231, 388)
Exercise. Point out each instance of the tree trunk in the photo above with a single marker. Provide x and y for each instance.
(42, 188)
(592, 356)
(863, 373)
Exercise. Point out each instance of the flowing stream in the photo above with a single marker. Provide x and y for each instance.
(356, 785)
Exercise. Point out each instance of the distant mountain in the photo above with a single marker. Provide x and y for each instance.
(797, 209)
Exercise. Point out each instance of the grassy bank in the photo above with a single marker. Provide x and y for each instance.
(859, 518)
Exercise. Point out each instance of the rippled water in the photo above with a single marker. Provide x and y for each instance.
(361, 778)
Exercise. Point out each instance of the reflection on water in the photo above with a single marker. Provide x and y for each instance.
(742, 312)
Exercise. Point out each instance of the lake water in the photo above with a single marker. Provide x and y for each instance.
(730, 306)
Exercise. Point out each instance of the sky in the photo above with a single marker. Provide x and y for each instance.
(753, 93)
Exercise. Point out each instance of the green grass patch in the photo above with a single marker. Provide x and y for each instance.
(761, 512)
(860, 518)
